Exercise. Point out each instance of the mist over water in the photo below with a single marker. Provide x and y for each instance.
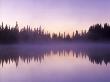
(77, 62)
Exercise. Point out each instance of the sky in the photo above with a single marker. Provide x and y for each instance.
(55, 15)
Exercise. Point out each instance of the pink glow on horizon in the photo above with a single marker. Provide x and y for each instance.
(55, 15)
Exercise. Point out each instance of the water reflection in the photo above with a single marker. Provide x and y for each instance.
(27, 54)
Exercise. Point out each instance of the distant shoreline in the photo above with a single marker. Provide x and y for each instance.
(12, 35)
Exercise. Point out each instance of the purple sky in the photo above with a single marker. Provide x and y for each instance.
(55, 15)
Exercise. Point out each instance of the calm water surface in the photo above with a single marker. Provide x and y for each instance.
(33, 64)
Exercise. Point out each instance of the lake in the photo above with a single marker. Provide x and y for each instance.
(54, 64)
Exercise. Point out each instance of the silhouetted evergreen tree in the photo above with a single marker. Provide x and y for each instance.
(68, 38)
(77, 36)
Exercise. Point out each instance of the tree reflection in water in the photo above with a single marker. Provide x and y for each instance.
(14, 54)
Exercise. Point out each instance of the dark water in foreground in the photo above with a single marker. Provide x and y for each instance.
(54, 64)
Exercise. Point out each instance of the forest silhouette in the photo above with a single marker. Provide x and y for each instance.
(9, 34)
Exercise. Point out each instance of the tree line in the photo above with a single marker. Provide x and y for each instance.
(9, 34)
